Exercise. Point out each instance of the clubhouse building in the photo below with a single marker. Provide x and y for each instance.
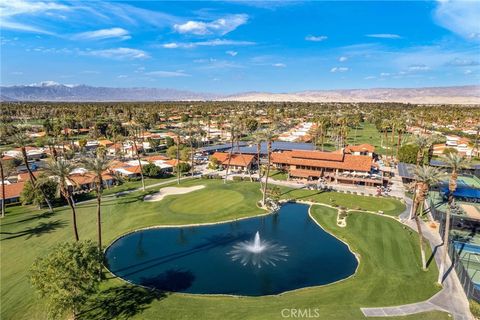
(351, 165)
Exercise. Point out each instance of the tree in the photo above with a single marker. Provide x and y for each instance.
(67, 276)
(425, 176)
(455, 162)
(61, 169)
(214, 163)
(137, 154)
(20, 139)
(151, 170)
(182, 167)
(169, 141)
(268, 136)
(258, 139)
(45, 187)
(98, 166)
(408, 153)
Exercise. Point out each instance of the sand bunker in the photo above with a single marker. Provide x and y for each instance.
(168, 191)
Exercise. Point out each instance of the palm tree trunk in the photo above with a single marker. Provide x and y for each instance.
(420, 238)
(192, 158)
(2, 174)
(178, 159)
(33, 179)
(268, 173)
(139, 163)
(229, 157)
(452, 188)
(399, 141)
(99, 220)
(258, 163)
(74, 215)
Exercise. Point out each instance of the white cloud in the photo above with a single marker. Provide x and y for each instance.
(9, 9)
(370, 78)
(220, 26)
(385, 74)
(342, 59)
(339, 69)
(208, 43)
(120, 33)
(418, 67)
(231, 52)
(460, 17)
(384, 36)
(279, 65)
(167, 74)
(316, 38)
(16, 73)
(468, 71)
(118, 53)
(122, 76)
(463, 62)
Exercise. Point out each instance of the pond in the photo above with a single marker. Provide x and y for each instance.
(252, 257)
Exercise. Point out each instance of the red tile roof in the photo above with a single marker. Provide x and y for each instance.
(238, 160)
(320, 159)
(155, 158)
(12, 190)
(25, 176)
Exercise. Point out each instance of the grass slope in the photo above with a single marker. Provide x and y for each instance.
(389, 271)
(351, 201)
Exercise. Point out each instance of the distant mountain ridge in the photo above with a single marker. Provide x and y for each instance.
(53, 91)
(428, 95)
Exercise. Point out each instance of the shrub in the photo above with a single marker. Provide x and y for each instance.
(475, 308)
(237, 178)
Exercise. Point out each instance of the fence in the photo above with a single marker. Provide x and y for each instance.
(468, 286)
(457, 222)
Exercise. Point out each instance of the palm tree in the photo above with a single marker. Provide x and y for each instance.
(401, 129)
(232, 141)
(268, 136)
(61, 169)
(455, 162)
(258, 139)
(98, 166)
(137, 154)
(425, 176)
(20, 139)
(2, 174)
(422, 143)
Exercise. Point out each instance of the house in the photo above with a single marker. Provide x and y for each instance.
(85, 182)
(462, 145)
(339, 167)
(364, 149)
(33, 153)
(105, 143)
(12, 192)
(241, 162)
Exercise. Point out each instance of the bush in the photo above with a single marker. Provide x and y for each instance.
(408, 153)
(151, 170)
(237, 178)
(475, 308)
(183, 167)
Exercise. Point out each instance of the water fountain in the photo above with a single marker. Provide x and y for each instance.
(258, 252)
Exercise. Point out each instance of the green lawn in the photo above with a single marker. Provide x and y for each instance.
(367, 133)
(278, 175)
(351, 201)
(389, 272)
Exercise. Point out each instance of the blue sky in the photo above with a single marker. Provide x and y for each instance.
(236, 46)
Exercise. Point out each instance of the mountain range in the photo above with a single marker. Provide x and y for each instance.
(53, 91)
